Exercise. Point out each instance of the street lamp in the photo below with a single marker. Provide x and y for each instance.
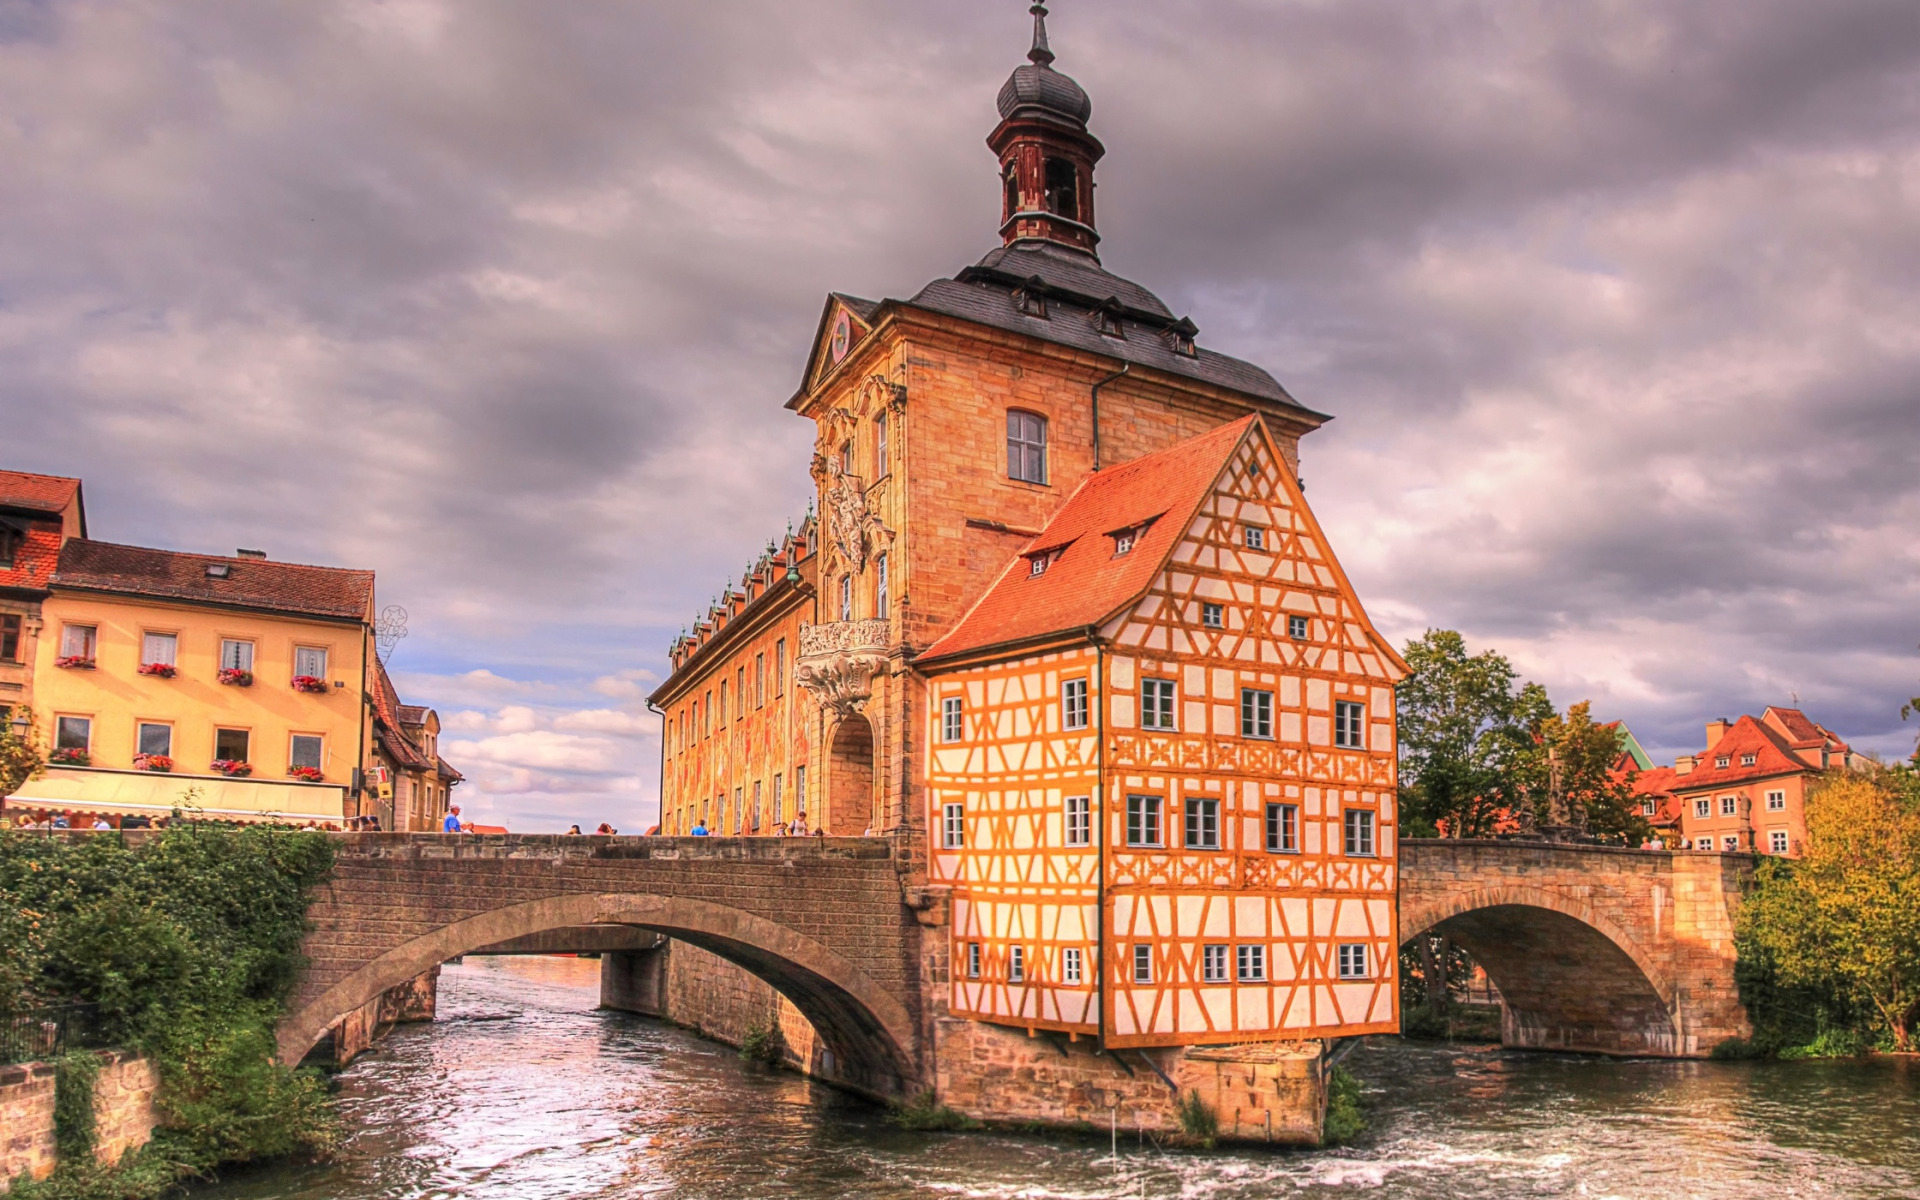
(22, 723)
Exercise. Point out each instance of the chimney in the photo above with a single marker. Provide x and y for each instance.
(1683, 765)
(1716, 730)
(250, 554)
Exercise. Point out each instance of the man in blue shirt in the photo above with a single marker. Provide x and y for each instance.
(699, 829)
(452, 823)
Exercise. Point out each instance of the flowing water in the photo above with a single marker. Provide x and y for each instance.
(523, 1091)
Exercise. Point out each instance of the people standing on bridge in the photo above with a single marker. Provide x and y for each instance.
(699, 829)
(573, 831)
(605, 830)
(452, 823)
(800, 824)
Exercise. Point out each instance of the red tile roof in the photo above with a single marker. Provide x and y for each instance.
(413, 714)
(250, 582)
(1771, 756)
(1656, 783)
(37, 493)
(387, 724)
(35, 558)
(1087, 582)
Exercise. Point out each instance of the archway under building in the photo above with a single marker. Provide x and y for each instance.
(850, 773)
(1567, 979)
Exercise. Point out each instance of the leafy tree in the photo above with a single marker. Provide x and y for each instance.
(1569, 780)
(1465, 732)
(1844, 920)
(20, 757)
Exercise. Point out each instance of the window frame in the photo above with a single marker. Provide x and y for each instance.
(881, 467)
(1360, 821)
(973, 960)
(1702, 808)
(1073, 966)
(60, 722)
(882, 588)
(1349, 725)
(1730, 843)
(1283, 819)
(1729, 806)
(1353, 961)
(322, 651)
(1777, 841)
(1254, 537)
(1142, 974)
(953, 825)
(1146, 823)
(246, 734)
(171, 639)
(1215, 963)
(1777, 801)
(320, 754)
(1078, 827)
(1256, 714)
(1027, 444)
(1016, 964)
(1299, 627)
(140, 738)
(846, 598)
(1250, 963)
(953, 719)
(13, 636)
(1213, 615)
(88, 637)
(1201, 823)
(1075, 711)
(1168, 691)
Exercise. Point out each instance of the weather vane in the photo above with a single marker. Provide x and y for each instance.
(391, 627)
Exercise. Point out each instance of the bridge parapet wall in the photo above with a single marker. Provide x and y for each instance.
(1594, 948)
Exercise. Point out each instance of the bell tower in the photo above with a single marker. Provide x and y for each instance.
(1046, 154)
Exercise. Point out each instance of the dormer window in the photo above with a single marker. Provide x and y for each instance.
(1106, 319)
(218, 570)
(1723, 762)
(1040, 560)
(1123, 541)
(1182, 335)
(1031, 299)
(10, 539)
(1747, 760)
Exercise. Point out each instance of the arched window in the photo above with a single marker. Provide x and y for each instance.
(1026, 446)
(1063, 189)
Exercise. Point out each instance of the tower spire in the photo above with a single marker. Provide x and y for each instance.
(1041, 53)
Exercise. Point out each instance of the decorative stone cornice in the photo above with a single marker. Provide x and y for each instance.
(837, 662)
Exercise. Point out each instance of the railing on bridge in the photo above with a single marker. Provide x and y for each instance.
(44, 1033)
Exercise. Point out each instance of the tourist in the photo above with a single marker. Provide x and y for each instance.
(452, 823)
(102, 823)
(605, 830)
(699, 829)
(573, 831)
(800, 825)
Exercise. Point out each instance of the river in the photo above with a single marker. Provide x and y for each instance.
(523, 1091)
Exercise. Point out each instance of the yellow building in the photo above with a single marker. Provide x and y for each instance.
(233, 688)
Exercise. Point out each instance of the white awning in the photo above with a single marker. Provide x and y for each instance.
(152, 793)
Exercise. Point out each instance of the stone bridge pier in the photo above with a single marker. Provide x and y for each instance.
(1594, 949)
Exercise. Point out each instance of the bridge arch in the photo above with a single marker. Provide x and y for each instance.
(1571, 977)
(869, 1031)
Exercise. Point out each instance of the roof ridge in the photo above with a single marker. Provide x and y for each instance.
(229, 558)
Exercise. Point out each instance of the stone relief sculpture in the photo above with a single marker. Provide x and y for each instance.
(837, 662)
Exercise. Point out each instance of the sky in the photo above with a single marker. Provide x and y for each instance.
(1616, 305)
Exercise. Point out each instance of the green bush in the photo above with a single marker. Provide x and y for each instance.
(1197, 1121)
(925, 1113)
(188, 943)
(764, 1046)
(1346, 1117)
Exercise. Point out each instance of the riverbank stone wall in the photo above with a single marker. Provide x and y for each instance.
(123, 1114)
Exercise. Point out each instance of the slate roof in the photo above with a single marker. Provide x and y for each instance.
(332, 592)
(36, 493)
(1076, 284)
(1772, 756)
(1087, 582)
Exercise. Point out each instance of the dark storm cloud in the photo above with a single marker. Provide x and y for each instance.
(1615, 303)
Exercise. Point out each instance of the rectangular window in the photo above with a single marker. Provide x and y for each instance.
(1297, 628)
(758, 812)
(307, 750)
(1143, 964)
(779, 808)
(1212, 615)
(231, 745)
(9, 637)
(1350, 725)
(1143, 820)
(953, 827)
(72, 733)
(723, 704)
(1730, 843)
(780, 667)
(1203, 824)
(1256, 713)
(1359, 833)
(1729, 806)
(1213, 964)
(1747, 760)
(1252, 965)
(78, 641)
(1073, 704)
(1072, 964)
(1156, 704)
(739, 810)
(952, 719)
(880, 587)
(880, 445)
(1776, 802)
(1353, 960)
(1283, 829)
(740, 693)
(310, 660)
(1079, 820)
(973, 960)
(846, 597)
(156, 738)
(1777, 841)
(159, 649)
(1016, 964)
(1703, 808)
(799, 791)
(1026, 446)
(1256, 538)
(760, 681)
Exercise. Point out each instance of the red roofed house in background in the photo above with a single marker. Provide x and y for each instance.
(236, 688)
(1748, 790)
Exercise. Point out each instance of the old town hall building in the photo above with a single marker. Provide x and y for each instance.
(1066, 628)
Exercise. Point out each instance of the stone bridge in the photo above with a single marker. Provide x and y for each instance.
(1594, 949)
(821, 919)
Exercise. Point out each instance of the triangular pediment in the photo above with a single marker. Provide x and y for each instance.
(844, 324)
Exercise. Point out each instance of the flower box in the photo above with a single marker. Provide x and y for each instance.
(159, 670)
(152, 762)
(73, 662)
(307, 774)
(230, 768)
(69, 757)
(311, 684)
(235, 677)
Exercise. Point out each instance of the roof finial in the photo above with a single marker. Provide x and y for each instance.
(1040, 53)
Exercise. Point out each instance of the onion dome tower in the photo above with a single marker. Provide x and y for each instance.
(1046, 154)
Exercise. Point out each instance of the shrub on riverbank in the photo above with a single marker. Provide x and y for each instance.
(1829, 944)
(1346, 1116)
(188, 944)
